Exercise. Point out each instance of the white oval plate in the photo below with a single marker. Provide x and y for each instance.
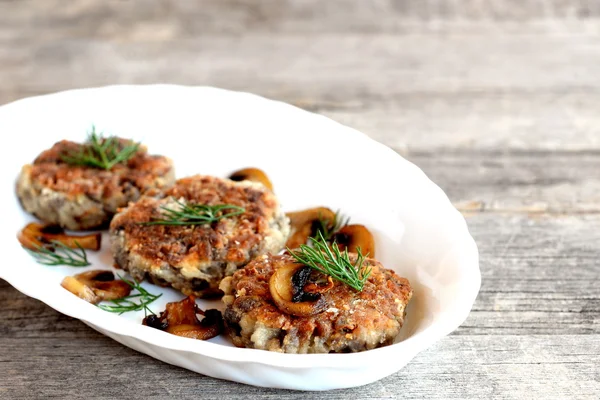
(311, 160)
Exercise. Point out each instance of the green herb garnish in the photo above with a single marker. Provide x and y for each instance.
(195, 214)
(129, 303)
(101, 152)
(331, 261)
(60, 254)
(329, 228)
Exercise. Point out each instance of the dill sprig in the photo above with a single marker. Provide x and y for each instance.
(330, 228)
(331, 261)
(129, 303)
(195, 214)
(101, 152)
(59, 254)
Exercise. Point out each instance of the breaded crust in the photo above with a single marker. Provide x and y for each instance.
(194, 258)
(79, 197)
(354, 321)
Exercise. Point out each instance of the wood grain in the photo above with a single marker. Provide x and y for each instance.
(499, 367)
(531, 182)
(497, 101)
(418, 74)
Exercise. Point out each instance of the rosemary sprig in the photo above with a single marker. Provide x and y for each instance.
(128, 303)
(195, 214)
(101, 152)
(60, 254)
(331, 261)
(330, 228)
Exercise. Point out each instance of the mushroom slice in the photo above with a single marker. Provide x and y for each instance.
(287, 290)
(300, 236)
(299, 218)
(36, 235)
(180, 318)
(305, 224)
(80, 290)
(352, 237)
(96, 286)
(252, 174)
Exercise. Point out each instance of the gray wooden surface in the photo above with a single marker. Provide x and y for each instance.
(497, 101)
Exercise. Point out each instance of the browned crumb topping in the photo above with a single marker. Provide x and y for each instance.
(228, 240)
(140, 171)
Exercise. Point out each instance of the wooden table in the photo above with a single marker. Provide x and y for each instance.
(498, 102)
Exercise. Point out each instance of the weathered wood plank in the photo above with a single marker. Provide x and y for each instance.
(476, 367)
(147, 18)
(517, 181)
(553, 119)
(417, 64)
(423, 92)
(467, 88)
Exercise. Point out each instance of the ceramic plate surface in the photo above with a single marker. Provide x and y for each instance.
(418, 232)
